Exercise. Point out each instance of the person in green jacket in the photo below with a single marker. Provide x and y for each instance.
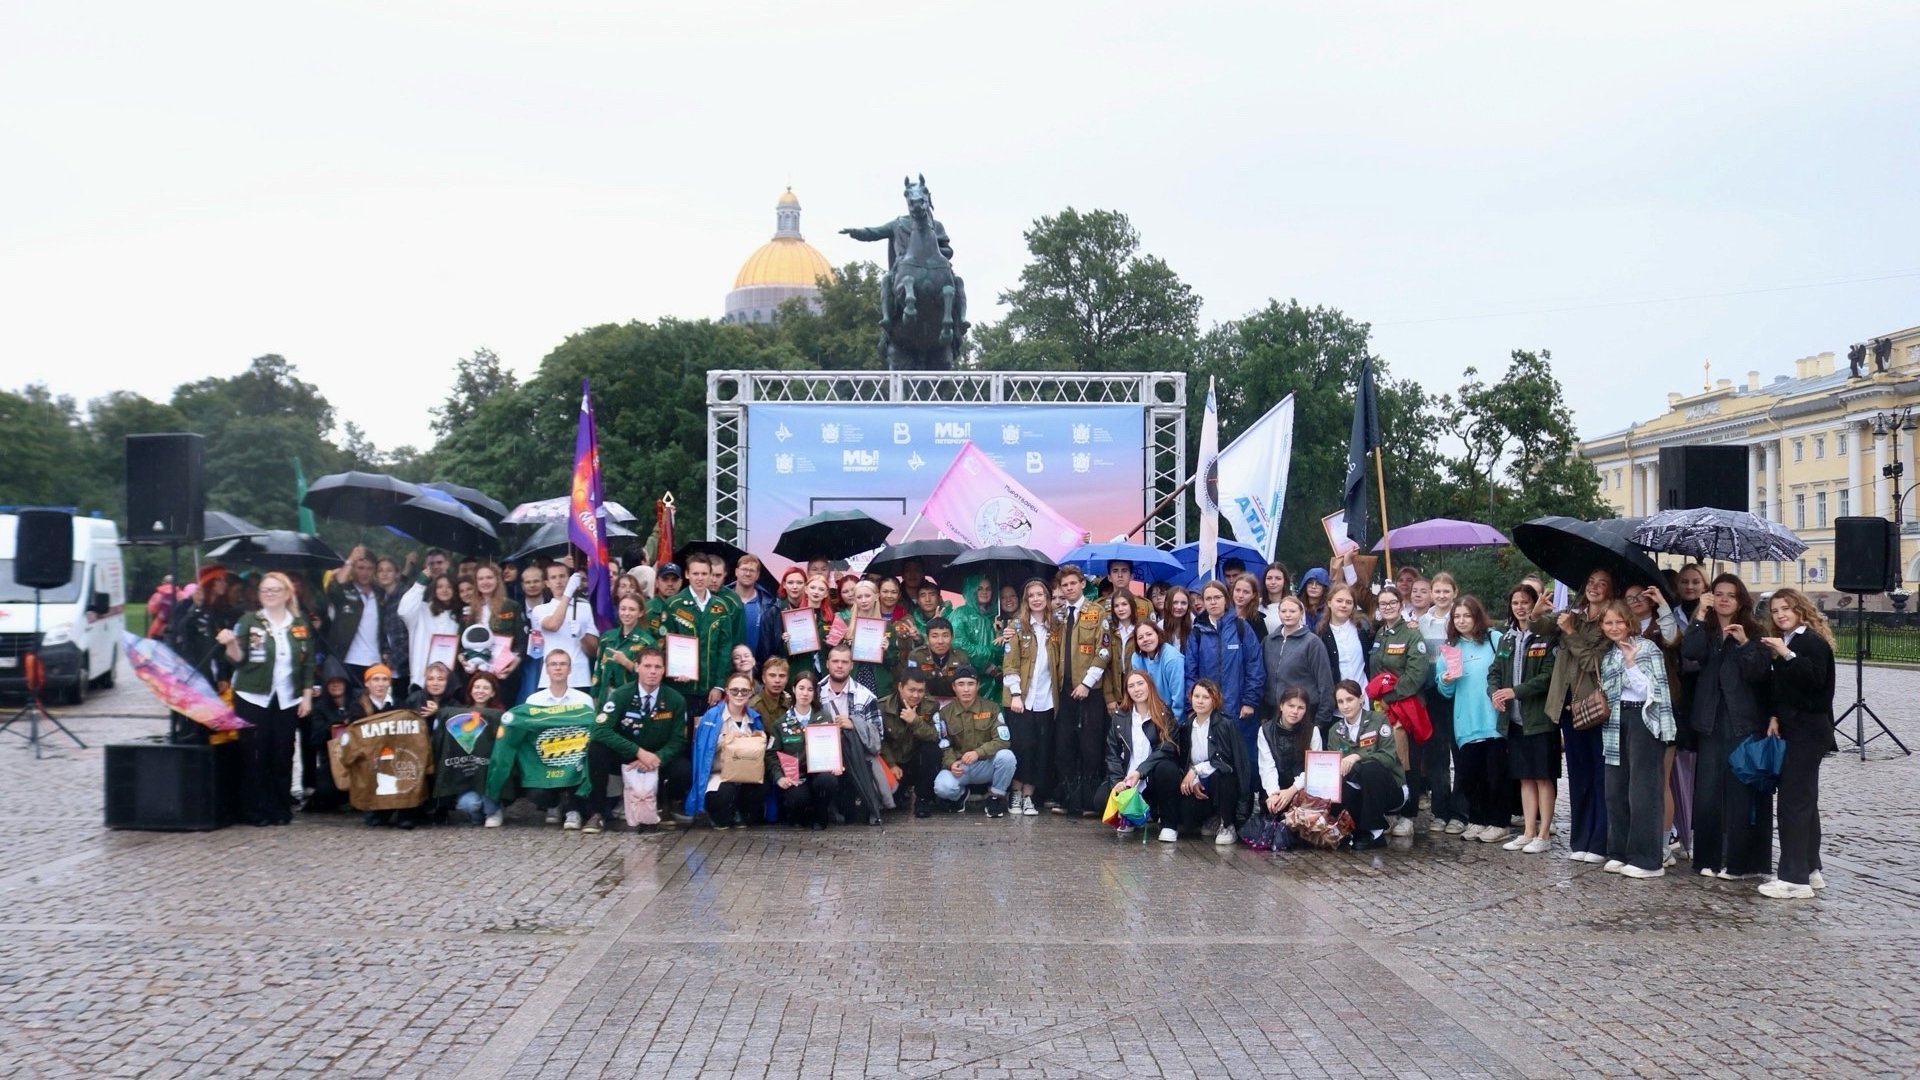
(1399, 647)
(643, 723)
(973, 633)
(1372, 783)
(973, 746)
(703, 613)
(1521, 675)
(272, 653)
(911, 743)
(618, 661)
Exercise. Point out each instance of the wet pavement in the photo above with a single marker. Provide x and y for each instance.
(955, 947)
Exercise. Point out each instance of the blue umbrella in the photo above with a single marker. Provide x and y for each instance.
(1189, 556)
(1757, 760)
(1150, 564)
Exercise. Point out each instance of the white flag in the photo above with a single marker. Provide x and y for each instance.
(1253, 478)
(1206, 489)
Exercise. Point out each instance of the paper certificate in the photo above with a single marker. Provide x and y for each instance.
(1337, 538)
(870, 640)
(803, 630)
(442, 648)
(1323, 774)
(1455, 661)
(823, 747)
(683, 657)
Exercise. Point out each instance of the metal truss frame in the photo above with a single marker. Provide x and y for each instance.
(1161, 394)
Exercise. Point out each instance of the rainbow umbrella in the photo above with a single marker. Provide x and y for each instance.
(178, 685)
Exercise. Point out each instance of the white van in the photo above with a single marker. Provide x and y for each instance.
(80, 622)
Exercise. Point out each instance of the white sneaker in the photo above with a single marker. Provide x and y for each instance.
(1815, 881)
(1027, 809)
(1704, 872)
(1577, 856)
(1641, 875)
(553, 816)
(1225, 836)
(572, 823)
(495, 819)
(1726, 876)
(1535, 846)
(1124, 830)
(1403, 827)
(1168, 836)
(1783, 890)
(1456, 827)
(1471, 832)
(1613, 866)
(1518, 843)
(1438, 825)
(1493, 834)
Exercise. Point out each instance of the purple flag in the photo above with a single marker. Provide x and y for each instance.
(586, 522)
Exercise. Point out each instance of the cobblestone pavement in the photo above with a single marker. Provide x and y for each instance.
(956, 947)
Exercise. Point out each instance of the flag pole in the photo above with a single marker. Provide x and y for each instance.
(1380, 482)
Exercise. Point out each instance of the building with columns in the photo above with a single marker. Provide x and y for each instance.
(1814, 455)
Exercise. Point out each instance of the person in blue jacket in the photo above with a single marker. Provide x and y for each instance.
(730, 719)
(1225, 649)
(1155, 655)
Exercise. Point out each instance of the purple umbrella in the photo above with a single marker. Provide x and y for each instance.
(1441, 533)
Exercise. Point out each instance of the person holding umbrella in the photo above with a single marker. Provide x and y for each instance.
(272, 654)
(1576, 675)
(1732, 826)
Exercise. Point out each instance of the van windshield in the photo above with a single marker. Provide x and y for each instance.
(12, 592)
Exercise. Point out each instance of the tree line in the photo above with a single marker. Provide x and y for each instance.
(1499, 448)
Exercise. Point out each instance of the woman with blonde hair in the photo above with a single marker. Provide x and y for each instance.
(1803, 675)
(272, 654)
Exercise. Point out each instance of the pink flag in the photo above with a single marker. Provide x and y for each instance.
(978, 504)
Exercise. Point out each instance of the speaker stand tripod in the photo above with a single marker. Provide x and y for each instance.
(33, 713)
(1860, 710)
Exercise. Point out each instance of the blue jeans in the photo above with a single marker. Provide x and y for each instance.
(997, 770)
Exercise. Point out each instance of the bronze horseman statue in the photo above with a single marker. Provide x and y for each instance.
(923, 303)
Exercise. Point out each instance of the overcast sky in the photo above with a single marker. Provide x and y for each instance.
(376, 189)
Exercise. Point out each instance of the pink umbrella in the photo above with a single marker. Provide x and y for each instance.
(178, 686)
(1441, 533)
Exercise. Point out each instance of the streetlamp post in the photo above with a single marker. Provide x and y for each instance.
(1891, 424)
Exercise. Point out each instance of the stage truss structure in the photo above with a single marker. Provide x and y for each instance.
(1162, 395)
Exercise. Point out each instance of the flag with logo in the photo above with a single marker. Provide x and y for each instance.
(1252, 486)
(586, 520)
(1206, 489)
(1365, 439)
(978, 504)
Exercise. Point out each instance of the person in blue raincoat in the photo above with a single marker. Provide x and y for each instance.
(1225, 649)
(730, 719)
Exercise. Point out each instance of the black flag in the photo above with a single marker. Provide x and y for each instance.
(1366, 439)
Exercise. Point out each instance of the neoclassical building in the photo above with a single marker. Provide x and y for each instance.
(783, 268)
(1814, 452)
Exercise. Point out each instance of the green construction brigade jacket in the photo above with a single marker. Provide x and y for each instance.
(1402, 650)
(1536, 675)
(622, 727)
(1373, 741)
(978, 727)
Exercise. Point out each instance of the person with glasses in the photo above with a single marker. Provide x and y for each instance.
(723, 801)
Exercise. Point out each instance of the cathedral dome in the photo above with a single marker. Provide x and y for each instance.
(782, 269)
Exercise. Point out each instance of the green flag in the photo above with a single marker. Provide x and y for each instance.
(307, 524)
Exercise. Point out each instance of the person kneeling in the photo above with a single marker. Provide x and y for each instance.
(1210, 772)
(1372, 784)
(973, 747)
(806, 796)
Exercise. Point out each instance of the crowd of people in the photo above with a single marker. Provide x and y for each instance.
(1050, 695)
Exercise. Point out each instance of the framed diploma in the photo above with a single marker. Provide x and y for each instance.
(1323, 774)
(683, 657)
(870, 640)
(803, 630)
(443, 649)
(1336, 526)
(823, 747)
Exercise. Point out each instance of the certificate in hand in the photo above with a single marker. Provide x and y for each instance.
(803, 631)
(1455, 662)
(683, 657)
(443, 649)
(870, 640)
(1323, 774)
(823, 747)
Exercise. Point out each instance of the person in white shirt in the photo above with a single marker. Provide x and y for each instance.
(1210, 771)
(559, 689)
(1029, 685)
(566, 624)
(1142, 729)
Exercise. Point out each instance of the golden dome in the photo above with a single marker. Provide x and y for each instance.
(788, 198)
(784, 260)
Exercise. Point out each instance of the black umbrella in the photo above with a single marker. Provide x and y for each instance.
(831, 534)
(473, 499)
(279, 549)
(1003, 563)
(1569, 549)
(729, 552)
(933, 556)
(219, 525)
(360, 497)
(444, 522)
(1708, 533)
(551, 539)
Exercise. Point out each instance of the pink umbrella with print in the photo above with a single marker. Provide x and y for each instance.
(178, 686)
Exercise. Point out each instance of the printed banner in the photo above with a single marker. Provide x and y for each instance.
(1253, 478)
(978, 504)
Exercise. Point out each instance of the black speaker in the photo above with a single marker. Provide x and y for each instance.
(166, 489)
(152, 784)
(43, 549)
(1866, 552)
(1696, 476)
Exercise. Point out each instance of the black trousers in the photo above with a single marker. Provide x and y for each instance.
(603, 770)
(1032, 746)
(1481, 770)
(1800, 811)
(809, 802)
(1437, 758)
(1732, 824)
(1163, 791)
(1188, 813)
(1079, 750)
(266, 753)
(1369, 793)
(919, 770)
(746, 802)
(1636, 795)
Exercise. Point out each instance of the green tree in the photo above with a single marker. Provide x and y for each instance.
(1088, 300)
(1520, 457)
(475, 379)
(49, 460)
(256, 423)
(843, 334)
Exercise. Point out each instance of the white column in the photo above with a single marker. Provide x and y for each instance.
(1882, 505)
(1771, 486)
(1643, 485)
(1753, 500)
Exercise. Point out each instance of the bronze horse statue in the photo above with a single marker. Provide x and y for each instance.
(923, 303)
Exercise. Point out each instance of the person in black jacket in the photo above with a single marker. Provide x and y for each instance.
(1732, 826)
(1802, 662)
(1141, 733)
(1210, 770)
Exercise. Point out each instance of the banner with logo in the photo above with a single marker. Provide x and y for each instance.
(1087, 462)
(1253, 477)
(978, 504)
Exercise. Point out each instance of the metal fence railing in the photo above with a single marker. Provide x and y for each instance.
(1889, 638)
